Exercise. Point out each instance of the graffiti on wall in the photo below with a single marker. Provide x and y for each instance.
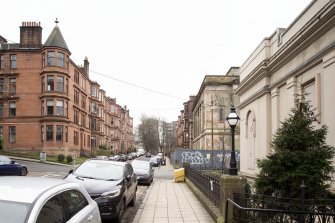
(196, 157)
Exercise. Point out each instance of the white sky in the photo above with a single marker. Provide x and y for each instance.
(166, 46)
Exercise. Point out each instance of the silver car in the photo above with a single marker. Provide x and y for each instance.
(45, 200)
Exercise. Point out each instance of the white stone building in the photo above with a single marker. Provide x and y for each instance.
(300, 58)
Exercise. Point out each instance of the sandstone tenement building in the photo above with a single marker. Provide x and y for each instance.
(48, 103)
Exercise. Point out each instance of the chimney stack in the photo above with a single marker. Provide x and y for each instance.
(31, 35)
(86, 67)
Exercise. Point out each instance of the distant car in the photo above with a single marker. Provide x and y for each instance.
(102, 157)
(155, 161)
(9, 167)
(44, 200)
(115, 158)
(143, 170)
(111, 184)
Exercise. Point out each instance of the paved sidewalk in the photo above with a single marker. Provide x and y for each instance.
(169, 202)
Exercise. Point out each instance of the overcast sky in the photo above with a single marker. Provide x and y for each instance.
(151, 55)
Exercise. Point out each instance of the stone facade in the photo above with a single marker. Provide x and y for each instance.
(210, 109)
(48, 103)
(292, 61)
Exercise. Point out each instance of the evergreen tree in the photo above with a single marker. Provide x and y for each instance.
(299, 154)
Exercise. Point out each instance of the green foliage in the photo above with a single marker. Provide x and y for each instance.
(103, 147)
(299, 154)
(61, 157)
(69, 158)
(102, 152)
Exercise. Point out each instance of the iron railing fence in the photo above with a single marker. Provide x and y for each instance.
(209, 185)
(267, 209)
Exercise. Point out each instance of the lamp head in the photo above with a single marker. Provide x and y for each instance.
(232, 117)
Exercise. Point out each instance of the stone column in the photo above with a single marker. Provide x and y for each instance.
(230, 185)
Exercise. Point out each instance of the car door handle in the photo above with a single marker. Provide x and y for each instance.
(90, 218)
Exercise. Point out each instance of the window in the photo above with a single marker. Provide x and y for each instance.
(42, 107)
(83, 101)
(59, 107)
(66, 133)
(76, 96)
(1, 130)
(50, 133)
(308, 90)
(50, 83)
(42, 133)
(76, 138)
(51, 58)
(13, 61)
(2, 62)
(12, 85)
(83, 120)
(67, 86)
(60, 84)
(74, 201)
(12, 108)
(222, 118)
(88, 140)
(2, 89)
(94, 91)
(43, 84)
(1, 110)
(76, 76)
(67, 62)
(83, 83)
(12, 133)
(51, 211)
(59, 133)
(76, 117)
(60, 59)
(50, 107)
(66, 109)
(43, 59)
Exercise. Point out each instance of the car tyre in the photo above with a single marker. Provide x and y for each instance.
(133, 201)
(24, 172)
(119, 217)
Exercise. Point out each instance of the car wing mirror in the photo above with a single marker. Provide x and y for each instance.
(70, 171)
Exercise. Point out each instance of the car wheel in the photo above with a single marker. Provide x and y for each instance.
(133, 201)
(24, 171)
(119, 217)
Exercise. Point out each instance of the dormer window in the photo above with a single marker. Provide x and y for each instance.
(13, 61)
(2, 61)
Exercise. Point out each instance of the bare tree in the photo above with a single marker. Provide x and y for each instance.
(148, 133)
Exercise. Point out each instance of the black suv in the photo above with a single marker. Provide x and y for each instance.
(111, 184)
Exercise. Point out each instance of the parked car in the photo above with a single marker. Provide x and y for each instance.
(115, 158)
(9, 167)
(123, 158)
(143, 170)
(44, 200)
(110, 183)
(155, 161)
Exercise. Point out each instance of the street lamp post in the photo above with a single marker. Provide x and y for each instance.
(212, 140)
(232, 120)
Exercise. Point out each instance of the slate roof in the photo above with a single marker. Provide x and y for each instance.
(56, 39)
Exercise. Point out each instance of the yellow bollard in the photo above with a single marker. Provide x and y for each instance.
(179, 175)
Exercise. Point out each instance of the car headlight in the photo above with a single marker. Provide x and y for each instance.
(147, 174)
(111, 194)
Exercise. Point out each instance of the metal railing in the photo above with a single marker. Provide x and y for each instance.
(259, 208)
(209, 185)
